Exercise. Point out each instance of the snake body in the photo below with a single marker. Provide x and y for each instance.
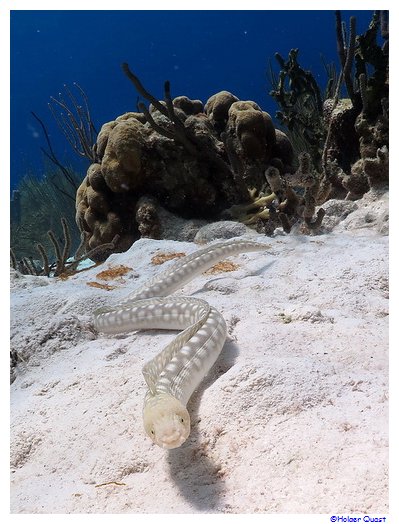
(174, 374)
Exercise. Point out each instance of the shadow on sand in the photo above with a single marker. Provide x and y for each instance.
(194, 473)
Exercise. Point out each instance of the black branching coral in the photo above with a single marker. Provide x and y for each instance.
(346, 137)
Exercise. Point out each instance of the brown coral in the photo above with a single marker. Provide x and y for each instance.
(122, 160)
(217, 108)
(189, 107)
(195, 160)
(253, 128)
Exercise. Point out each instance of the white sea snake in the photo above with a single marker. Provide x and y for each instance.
(174, 374)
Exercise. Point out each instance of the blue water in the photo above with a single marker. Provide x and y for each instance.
(200, 52)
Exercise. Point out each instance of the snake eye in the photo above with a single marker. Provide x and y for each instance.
(152, 432)
(182, 420)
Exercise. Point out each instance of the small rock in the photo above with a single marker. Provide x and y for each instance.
(221, 230)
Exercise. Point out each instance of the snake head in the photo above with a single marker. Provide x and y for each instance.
(166, 421)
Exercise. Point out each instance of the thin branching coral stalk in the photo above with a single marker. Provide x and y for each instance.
(33, 265)
(28, 266)
(67, 241)
(179, 132)
(57, 250)
(142, 91)
(346, 53)
(53, 158)
(13, 259)
(45, 261)
(159, 129)
(84, 237)
(76, 123)
(347, 66)
(61, 257)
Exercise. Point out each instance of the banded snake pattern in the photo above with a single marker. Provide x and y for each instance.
(174, 374)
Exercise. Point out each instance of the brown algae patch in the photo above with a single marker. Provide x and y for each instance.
(223, 266)
(107, 287)
(113, 272)
(161, 258)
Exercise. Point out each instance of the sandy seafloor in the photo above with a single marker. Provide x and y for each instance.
(293, 418)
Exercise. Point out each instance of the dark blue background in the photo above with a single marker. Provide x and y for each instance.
(200, 52)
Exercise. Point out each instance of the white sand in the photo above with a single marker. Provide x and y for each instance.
(293, 417)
